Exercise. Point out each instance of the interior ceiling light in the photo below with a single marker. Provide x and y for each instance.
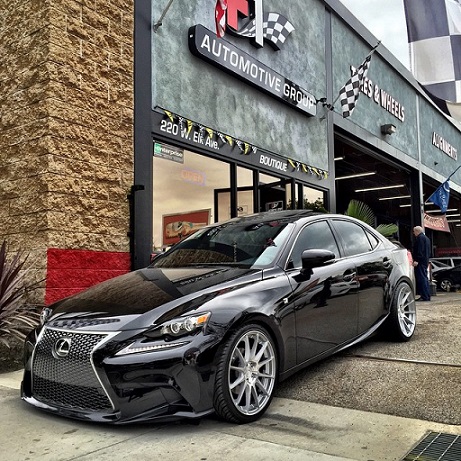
(439, 211)
(380, 188)
(395, 197)
(405, 206)
(452, 215)
(356, 175)
(453, 220)
(339, 158)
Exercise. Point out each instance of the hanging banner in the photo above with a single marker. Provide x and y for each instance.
(438, 223)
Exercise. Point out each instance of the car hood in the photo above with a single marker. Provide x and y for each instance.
(153, 289)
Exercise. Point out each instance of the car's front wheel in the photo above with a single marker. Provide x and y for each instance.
(402, 318)
(246, 375)
(446, 285)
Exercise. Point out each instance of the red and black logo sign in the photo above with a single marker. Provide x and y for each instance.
(246, 18)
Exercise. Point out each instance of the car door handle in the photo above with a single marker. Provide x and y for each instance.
(349, 276)
(387, 263)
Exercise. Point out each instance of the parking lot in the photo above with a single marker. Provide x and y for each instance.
(373, 402)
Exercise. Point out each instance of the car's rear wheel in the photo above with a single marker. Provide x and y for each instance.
(402, 318)
(446, 285)
(246, 375)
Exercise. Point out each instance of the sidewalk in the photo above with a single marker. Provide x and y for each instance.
(421, 379)
(291, 430)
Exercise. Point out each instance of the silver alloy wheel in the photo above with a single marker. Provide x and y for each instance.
(251, 374)
(406, 309)
(446, 285)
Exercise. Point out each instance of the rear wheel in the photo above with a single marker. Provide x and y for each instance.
(446, 285)
(402, 318)
(246, 375)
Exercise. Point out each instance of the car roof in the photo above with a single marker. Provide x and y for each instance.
(283, 216)
(268, 216)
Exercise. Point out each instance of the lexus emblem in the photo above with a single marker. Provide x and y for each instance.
(62, 347)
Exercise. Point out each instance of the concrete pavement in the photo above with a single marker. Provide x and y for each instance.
(291, 430)
(384, 377)
(420, 379)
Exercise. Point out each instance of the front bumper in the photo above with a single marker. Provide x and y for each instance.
(91, 383)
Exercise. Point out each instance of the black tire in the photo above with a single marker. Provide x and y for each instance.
(401, 322)
(446, 284)
(246, 375)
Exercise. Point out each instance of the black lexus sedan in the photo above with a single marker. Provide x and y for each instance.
(215, 322)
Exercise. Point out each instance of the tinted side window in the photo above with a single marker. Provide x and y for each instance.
(354, 237)
(373, 240)
(316, 235)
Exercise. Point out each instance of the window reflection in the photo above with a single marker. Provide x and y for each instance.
(244, 191)
(184, 188)
(191, 190)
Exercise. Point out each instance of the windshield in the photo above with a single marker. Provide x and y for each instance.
(240, 244)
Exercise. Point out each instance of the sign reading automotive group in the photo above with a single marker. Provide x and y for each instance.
(206, 45)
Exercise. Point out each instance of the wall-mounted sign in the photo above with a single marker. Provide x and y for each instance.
(444, 146)
(171, 127)
(168, 152)
(273, 163)
(383, 98)
(247, 19)
(206, 45)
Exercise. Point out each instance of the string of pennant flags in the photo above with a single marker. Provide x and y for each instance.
(244, 147)
(298, 166)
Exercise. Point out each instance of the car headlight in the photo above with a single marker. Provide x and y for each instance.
(185, 325)
(153, 341)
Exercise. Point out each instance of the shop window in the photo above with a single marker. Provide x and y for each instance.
(272, 193)
(183, 194)
(312, 198)
(244, 191)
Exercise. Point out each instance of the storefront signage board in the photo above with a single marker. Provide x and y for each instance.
(165, 129)
(205, 44)
(168, 152)
(444, 146)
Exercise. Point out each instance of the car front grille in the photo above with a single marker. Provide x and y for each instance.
(68, 381)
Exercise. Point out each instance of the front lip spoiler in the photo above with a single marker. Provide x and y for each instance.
(116, 418)
(75, 414)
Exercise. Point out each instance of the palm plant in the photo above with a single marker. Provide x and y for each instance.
(16, 319)
(363, 212)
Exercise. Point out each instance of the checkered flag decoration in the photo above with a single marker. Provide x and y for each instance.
(350, 92)
(276, 29)
(434, 38)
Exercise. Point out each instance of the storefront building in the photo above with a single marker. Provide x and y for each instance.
(241, 123)
(228, 126)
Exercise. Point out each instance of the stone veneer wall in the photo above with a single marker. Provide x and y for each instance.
(66, 128)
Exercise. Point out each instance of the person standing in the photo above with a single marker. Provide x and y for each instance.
(421, 254)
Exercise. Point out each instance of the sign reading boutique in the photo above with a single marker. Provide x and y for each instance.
(206, 45)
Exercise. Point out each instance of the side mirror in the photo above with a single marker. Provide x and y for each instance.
(315, 258)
